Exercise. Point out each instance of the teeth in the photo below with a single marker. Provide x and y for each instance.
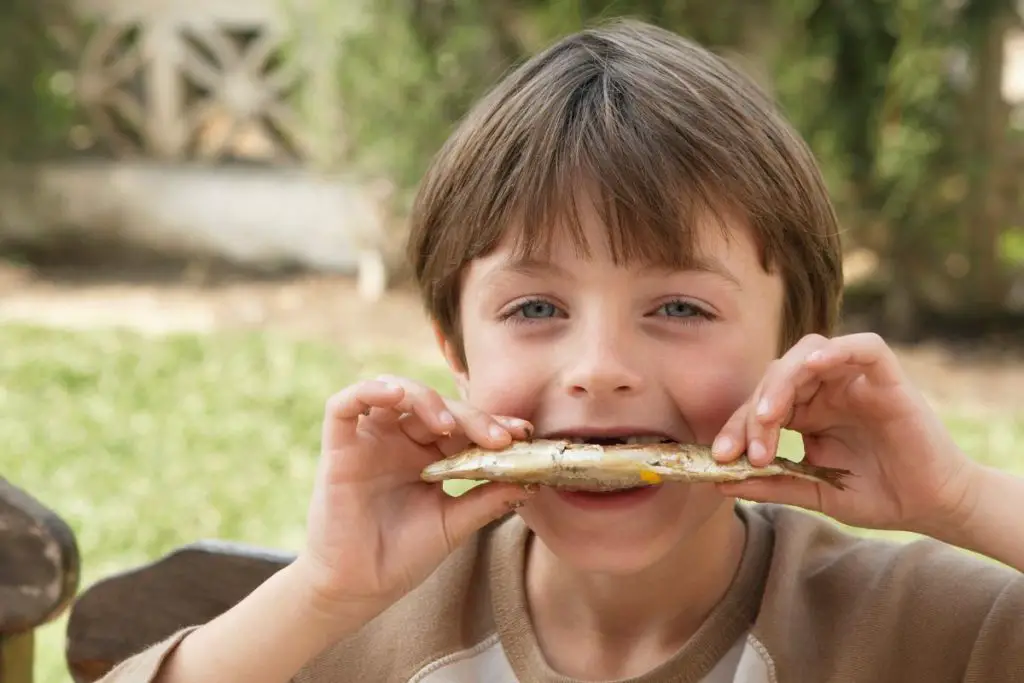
(644, 439)
(628, 440)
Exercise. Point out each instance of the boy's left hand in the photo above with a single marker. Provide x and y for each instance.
(856, 410)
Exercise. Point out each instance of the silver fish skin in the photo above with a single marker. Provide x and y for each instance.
(561, 463)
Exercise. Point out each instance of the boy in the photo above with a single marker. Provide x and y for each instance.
(625, 239)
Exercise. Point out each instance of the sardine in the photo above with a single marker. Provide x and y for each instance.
(561, 463)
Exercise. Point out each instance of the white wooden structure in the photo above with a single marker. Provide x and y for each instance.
(210, 126)
(197, 79)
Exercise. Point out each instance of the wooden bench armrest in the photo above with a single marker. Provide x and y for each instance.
(39, 573)
(123, 614)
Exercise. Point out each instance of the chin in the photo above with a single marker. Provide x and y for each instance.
(622, 533)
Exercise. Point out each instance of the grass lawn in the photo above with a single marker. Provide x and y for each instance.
(143, 444)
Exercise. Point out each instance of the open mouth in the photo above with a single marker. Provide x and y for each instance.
(618, 440)
(624, 495)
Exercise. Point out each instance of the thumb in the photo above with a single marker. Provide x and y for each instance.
(482, 504)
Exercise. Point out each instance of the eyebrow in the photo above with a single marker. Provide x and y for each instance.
(704, 265)
(534, 266)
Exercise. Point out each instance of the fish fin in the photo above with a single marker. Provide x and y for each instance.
(833, 476)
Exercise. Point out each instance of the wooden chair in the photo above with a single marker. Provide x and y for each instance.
(127, 612)
(39, 572)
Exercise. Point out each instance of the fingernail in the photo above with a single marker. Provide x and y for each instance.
(815, 356)
(525, 426)
(516, 423)
(496, 432)
(764, 407)
(756, 451)
(721, 445)
(391, 386)
(447, 418)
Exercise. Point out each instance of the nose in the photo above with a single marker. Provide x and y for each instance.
(602, 364)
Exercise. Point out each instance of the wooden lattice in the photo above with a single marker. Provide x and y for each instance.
(198, 88)
(108, 87)
(239, 89)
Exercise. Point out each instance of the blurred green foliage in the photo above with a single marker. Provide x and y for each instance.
(34, 117)
(899, 99)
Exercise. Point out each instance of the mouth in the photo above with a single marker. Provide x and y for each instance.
(618, 440)
(616, 499)
(619, 498)
(611, 437)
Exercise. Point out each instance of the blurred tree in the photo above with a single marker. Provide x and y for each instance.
(411, 71)
(900, 100)
(911, 126)
(986, 124)
(33, 118)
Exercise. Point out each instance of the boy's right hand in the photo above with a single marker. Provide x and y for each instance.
(375, 530)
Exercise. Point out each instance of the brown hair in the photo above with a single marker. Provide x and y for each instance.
(665, 132)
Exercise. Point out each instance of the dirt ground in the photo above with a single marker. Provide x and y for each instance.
(206, 298)
(202, 298)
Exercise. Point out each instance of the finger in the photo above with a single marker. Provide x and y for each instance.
(465, 514)
(424, 402)
(477, 427)
(517, 427)
(840, 357)
(803, 395)
(780, 490)
(788, 382)
(731, 441)
(418, 431)
(867, 351)
(343, 409)
(840, 362)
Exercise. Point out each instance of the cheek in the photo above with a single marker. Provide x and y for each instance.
(710, 391)
(503, 379)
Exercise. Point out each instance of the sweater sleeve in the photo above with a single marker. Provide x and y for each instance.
(998, 649)
(842, 607)
(144, 666)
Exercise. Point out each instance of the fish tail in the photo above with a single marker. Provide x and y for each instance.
(833, 476)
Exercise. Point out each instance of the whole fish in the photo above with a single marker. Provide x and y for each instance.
(562, 463)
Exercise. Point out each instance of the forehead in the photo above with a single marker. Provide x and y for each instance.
(716, 244)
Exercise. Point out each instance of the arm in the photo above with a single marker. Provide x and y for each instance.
(857, 410)
(375, 532)
(992, 523)
(266, 638)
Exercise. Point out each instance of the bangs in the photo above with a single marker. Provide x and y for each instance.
(649, 184)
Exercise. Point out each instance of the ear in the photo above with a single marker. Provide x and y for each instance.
(454, 362)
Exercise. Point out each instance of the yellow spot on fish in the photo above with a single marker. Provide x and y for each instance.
(650, 477)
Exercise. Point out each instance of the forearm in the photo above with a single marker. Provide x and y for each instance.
(266, 638)
(993, 524)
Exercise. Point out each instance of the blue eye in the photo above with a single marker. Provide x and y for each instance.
(537, 309)
(680, 309)
(532, 312)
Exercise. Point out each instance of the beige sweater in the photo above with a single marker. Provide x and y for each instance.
(810, 604)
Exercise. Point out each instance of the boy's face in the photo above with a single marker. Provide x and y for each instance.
(578, 345)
